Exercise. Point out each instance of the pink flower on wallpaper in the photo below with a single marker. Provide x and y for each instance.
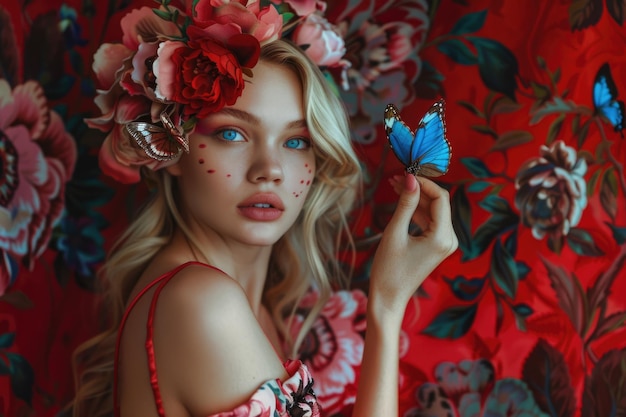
(324, 44)
(37, 158)
(551, 191)
(304, 7)
(333, 349)
(383, 39)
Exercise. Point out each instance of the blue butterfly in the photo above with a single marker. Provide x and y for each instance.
(427, 152)
(605, 98)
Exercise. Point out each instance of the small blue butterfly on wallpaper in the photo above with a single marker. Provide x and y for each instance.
(428, 151)
(605, 98)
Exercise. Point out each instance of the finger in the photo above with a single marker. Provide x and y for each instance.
(438, 199)
(397, 183)
(409, 199)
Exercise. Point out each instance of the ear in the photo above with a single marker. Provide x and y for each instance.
(174, 169)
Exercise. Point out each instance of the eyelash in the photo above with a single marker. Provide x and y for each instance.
(306, 142)
(303, 143)
(220, 134)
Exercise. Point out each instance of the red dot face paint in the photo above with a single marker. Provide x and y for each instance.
(201, 161)
(210, 171)
(202, 145)
(227, 175)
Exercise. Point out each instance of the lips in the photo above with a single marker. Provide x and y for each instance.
(262, 207)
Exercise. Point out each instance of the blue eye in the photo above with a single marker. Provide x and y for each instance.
(230, 135)
(297, 143)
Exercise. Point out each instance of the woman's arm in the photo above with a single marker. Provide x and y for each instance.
(401, 264)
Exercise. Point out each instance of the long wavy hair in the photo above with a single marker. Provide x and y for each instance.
(305, 257)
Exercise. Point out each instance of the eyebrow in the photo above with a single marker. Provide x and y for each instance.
(252, 119)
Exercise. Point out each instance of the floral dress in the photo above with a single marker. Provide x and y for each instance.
(293, 397)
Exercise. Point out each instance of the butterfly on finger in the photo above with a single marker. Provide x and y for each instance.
(427, 152)
(162, 143)
(605, 100)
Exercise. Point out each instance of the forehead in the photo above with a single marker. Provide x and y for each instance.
(273, 92)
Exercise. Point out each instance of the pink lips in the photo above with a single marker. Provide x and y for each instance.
(262, 207)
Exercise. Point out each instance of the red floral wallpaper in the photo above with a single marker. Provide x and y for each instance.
(526, 318)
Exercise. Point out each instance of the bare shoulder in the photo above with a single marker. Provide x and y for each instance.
(211, 351)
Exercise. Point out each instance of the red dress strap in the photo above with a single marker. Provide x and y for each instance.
(162, 281)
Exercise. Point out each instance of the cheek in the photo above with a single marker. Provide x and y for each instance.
(304, 176)
(208, 165)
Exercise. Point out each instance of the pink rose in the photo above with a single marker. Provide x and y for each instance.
(305, 7)
(321, 41)
(37, 158)
(246, 15)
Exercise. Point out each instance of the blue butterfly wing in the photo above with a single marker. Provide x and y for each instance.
(399, 135)
(427, 152)
(605, 98)
(431, 151)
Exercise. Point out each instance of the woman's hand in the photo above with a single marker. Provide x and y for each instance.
(402, 262)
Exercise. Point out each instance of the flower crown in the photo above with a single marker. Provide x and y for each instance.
(177, 65)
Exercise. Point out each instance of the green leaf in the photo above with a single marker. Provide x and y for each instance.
(476, 167)
(616, 10)
(22, 377)
(608, 193)
(7, 339)
(504, 269)
(511, 139)
(496, 204)
(591, 185)
(522, 270)
(461, 219)
(619, 233)
(429, 85)
(503, 105)
(162, 14)
(499, 223)
(59, 87)
(76, 60)
(478, 186)
(523, 309)
(469, 23)
(584, 13)
(471, 107)
(510, 243)
(466, 289)
(556, 106)
(581, 242)
(485, 130)
(497, 66)
(457, 51)
(555, 129)
(453, 322)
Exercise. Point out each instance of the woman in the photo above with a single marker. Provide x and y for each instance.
(237, 231)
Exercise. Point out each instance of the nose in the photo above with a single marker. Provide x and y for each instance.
(266, 167)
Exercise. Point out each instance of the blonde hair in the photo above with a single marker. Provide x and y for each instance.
(307, 256)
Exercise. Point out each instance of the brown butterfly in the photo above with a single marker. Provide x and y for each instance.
(160, 143)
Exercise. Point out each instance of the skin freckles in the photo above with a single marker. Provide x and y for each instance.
(306, 182)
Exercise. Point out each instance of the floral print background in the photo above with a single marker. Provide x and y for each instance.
(526, 318)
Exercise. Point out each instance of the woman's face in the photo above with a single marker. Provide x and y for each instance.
(251, 165)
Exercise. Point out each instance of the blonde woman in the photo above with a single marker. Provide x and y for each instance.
(202, 285)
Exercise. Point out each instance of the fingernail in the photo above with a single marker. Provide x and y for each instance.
(410, 182)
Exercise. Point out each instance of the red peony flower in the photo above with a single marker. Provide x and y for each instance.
(203, 74)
